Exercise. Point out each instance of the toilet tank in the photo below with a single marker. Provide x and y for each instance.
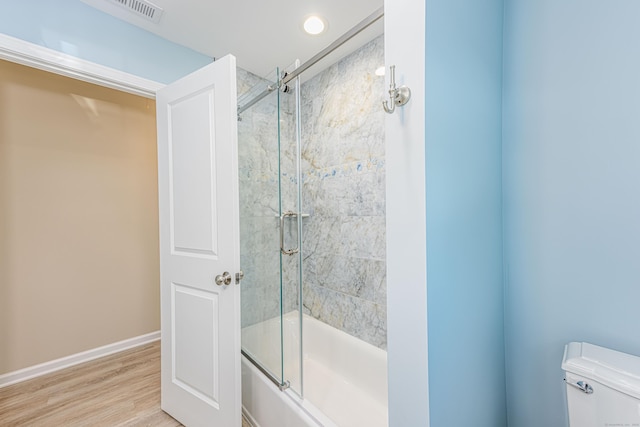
(603, 386)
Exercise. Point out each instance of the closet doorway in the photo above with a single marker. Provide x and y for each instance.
(79, 265)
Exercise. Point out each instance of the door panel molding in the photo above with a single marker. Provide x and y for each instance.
(203, 341)
(190, 169)
(199, 241)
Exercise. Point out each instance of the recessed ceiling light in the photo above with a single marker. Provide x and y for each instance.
(380, 71)
(314, 25)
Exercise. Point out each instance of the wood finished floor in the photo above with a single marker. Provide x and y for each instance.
(119, 390)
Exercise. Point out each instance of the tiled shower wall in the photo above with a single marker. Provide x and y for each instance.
(258, 184)
(343, 191)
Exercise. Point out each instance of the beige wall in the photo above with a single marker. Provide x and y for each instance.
(79, 265)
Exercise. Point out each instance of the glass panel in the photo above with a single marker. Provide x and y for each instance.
(260, 210)
(291, 271)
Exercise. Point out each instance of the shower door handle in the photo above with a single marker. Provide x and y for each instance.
(282, 249)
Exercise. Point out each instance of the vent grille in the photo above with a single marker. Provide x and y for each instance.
(141, 8)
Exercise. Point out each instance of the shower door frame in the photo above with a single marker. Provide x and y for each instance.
(288, 209)
(277, 378)
(288, 77)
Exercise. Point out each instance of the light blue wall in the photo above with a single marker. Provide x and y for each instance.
(72, 27)
(464, 213)
(571, 191)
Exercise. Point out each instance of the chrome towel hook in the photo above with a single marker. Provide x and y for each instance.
(397, 96)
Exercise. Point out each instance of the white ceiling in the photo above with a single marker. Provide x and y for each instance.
(262, 34)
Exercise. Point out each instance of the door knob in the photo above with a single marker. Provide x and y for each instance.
(223, 279)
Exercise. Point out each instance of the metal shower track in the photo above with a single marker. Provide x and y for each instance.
(362, 25)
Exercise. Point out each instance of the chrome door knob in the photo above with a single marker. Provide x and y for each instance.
(223, 279)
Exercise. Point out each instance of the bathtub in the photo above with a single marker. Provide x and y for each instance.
(344, 380)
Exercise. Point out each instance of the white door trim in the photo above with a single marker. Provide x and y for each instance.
(43, 58)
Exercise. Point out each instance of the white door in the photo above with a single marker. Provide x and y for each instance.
(199, 240)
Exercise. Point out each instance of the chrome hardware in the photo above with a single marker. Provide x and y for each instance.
(239, 277)
(582, 386)
(294, 214)
(397, 95)
(282, 249)
(285, 385)
(357, 29)
(283, 86)
(223, 279)
(282, 385)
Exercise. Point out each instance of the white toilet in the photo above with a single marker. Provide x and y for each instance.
(603, 386)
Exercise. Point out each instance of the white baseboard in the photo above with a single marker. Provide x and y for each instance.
(76, 359)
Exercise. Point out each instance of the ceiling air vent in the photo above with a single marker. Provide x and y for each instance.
(141, 8)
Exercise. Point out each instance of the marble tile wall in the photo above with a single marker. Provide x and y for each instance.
(258, 184)
(261, 157)
(343, 191)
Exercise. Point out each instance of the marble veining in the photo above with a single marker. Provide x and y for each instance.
(259, 205)
(342, 188)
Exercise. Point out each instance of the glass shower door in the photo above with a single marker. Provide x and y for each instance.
(260, 217)
(271, 224)
(292, 229)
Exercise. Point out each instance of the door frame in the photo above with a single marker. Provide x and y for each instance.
(43, 58)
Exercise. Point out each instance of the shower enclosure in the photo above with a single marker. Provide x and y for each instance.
(312, 236)
(269, 200)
